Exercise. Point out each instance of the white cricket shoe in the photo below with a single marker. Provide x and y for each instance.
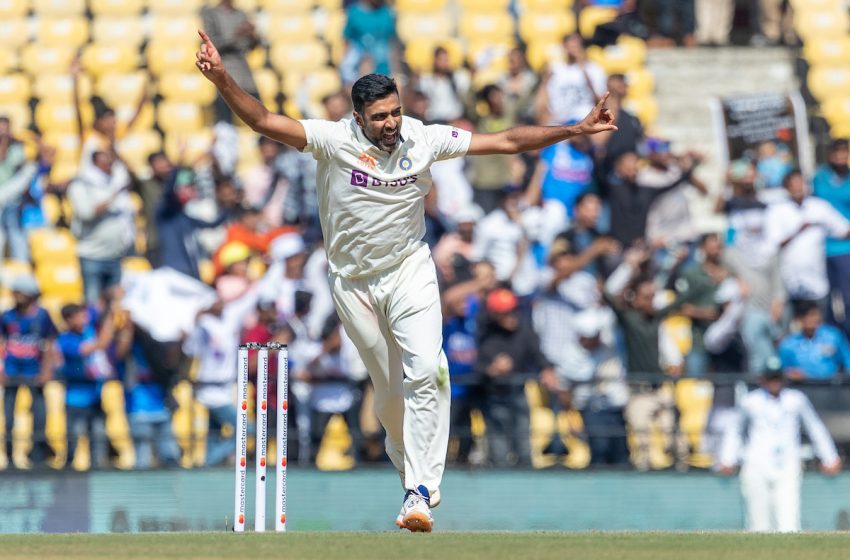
(415, 515)
(433, 502)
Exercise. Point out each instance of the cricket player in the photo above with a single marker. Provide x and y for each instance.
(771, 466)
(373, 175)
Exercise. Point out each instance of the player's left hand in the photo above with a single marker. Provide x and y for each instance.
(831, 469)
(600, 119)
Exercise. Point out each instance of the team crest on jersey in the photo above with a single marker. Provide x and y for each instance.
(405, 163)
(367, 160)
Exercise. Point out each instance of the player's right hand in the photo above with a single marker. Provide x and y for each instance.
(208, 60)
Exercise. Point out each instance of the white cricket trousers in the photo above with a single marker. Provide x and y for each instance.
(773, 501)
(395, 321)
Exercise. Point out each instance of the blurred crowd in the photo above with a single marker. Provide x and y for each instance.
(577, 270)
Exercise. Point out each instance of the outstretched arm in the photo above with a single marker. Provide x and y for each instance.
(527, 138)
(277, 127)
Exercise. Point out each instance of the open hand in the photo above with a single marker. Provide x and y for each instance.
(600, 119)
(208, 60)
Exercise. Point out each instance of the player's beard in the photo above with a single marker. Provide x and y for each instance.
(380, 139)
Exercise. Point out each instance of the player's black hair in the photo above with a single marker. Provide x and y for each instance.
(70, 310)
(786, 180)
(371, 87)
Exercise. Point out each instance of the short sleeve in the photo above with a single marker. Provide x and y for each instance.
(323, 137)
(447, 142)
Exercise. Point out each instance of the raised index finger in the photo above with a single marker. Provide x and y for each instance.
(205, 37)
(602, 101)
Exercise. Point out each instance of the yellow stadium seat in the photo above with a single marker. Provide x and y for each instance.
(64, 31)
(59, 8)
(192, 87)
(145, 120)
(38, 59)
(483, 6)
(644, 108)
(52, 245)
(545, 5)
(67, 144)
(13, 8)
(104, 58)
(58, 116)
(329, 4)
(64, 171)
(121, 88)
(539, 27)
(420, 5)
(836, 109)
(60, 87)
(190, 146)
(14, 88)
(60, 280)
(9, 59)
(120, 8)
(177, 116)
(290, 29)
(619, 58)
(298, 58)
(135, 264)
(317, 84)
(541, 53)
(286, 6)
(827, 51)
(641, 82)
(829, 81)
(137, 146)
(435, 26)
(14, 32)
(804, 6)
(19, 114)
(268, 85)
(176, 30)
(164, 57)
(175, 7)
(489, 57)
(486, 26)
(123, 30)
(333, 25)
(592, 16)
(822, 24)
(249, 152)
(419, 53)
(256, 58)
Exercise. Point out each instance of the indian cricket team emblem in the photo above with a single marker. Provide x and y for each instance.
(405, 163)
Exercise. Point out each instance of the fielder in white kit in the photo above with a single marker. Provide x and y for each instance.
(373, 175)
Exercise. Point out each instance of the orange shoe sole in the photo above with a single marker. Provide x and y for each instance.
(417, 522)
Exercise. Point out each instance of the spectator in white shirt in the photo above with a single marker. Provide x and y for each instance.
(445, 88)
(572, 87)
(798, 229)
(770, 458)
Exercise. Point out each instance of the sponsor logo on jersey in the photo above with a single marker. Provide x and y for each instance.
(367, 160)
(363, 179)
(405, 163)
(454, 133)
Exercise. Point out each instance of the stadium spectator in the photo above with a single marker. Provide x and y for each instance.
(150, 191)
(235, 36)
(832, 183)
(508, 351)
(676, 21)
(632, 298)
(798, 229)
(453, 254)
(564, 172)
(817, 351)
(103, 222)
(570, 88)
(765, 440)
(630, 199)
(593, 252)
(714, 21)
(266, 185)
(28, 336)
(85, 367)
(774, 23)
(301, 351)
(289, 250)
(488, 172)
(370, 36)
(179, 247)
(234, 258)
(446, 88)
(609, 146)
(519, 85)
(300, 207)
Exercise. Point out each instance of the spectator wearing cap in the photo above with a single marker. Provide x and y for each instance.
(798, 228)
(28, 336)
(501, 239)
(630, 199)
(234, 258)
(593, 252)
(453, 254)
(765, 441)
(508, 353)
(179, 248)
(564, 172)
(832, 183)
(817, 351)
(103, 222)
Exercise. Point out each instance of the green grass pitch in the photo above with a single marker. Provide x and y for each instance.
(445, 545)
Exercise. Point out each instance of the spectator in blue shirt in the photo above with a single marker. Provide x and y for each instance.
(28, 336)
(84, 368)
(370, 35)
(818, 351)
(832, 183)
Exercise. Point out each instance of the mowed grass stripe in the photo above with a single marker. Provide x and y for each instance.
(446, 545)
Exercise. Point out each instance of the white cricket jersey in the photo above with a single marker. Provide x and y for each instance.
(371, 203)
(772, 427)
